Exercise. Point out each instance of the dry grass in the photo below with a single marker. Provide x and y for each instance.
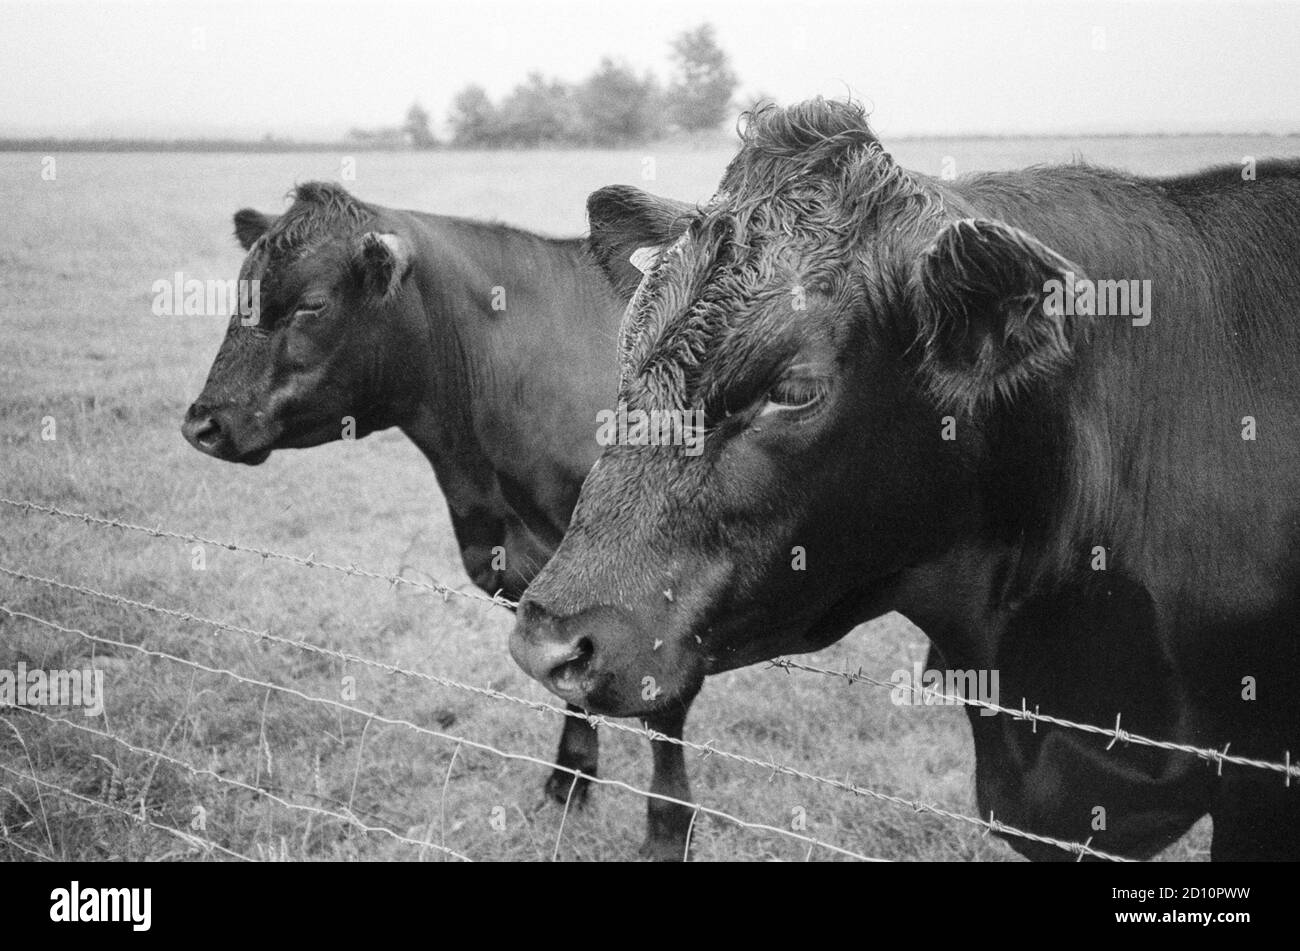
(78, 258)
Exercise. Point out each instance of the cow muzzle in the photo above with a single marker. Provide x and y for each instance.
(219, 433)
(600, 659)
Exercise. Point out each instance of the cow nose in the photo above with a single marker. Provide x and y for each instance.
(560, 660)
(202, 430)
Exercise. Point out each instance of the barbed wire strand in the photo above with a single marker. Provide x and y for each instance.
(1116, 735)
(426, 731)
(311, 561)
(348, 817)
(195, 841)
(705, 749)
(10, 840)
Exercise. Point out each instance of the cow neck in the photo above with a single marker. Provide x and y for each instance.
(961, 600)
(440, 410)
(466, 417)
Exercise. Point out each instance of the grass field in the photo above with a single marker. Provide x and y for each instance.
(80, 346)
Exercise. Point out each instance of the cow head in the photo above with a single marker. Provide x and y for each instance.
(326, 315)
(826, 312)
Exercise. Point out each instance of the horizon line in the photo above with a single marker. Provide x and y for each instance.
(271, 143)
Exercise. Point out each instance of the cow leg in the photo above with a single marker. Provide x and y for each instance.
(579, 749)
(668, 823)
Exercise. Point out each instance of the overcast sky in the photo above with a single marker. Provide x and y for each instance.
(316, 69)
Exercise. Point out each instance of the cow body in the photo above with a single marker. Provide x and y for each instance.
(1103, 509)
(1200, 527)
(503, 404)
(490, 347)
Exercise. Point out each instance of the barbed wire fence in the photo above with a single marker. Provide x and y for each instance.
(1116, 733)
(347, 815)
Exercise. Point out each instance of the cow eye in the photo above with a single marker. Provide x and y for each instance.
(309, 308)
(792, 395)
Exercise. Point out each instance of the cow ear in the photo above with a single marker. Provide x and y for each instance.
(627, 222)
(992, 308)
(251, 225)
(383, 263)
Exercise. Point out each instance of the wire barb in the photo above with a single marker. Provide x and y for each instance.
(1115, 733)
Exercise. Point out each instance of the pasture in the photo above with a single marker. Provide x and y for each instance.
(82, 350)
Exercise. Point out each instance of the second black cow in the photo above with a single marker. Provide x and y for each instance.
(492, 349)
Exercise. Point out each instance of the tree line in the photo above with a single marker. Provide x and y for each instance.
(614, 106)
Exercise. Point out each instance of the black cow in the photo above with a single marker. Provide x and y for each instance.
(906, 378)
(490, 347)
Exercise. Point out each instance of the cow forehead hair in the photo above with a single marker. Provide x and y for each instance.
(795, 204)
(319, 210)
(811, 137)
(821, 161)
(687, 339)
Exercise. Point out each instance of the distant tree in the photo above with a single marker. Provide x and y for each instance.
(473, 119)
(540, 112)
(699, 96)
(612, 106)
(618, 107)
(417, 128)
